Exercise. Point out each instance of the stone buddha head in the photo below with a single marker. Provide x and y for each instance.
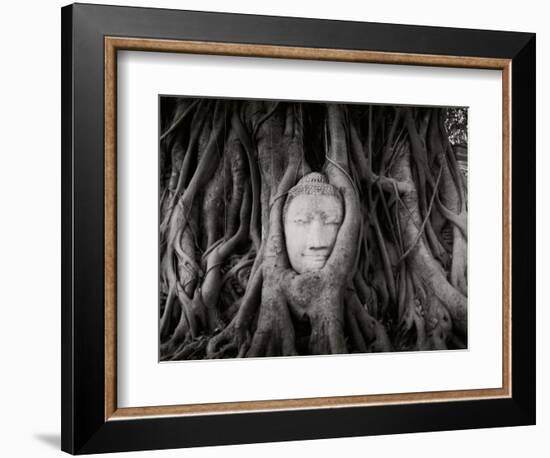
(312, 215)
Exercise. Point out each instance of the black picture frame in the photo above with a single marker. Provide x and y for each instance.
(84, 427)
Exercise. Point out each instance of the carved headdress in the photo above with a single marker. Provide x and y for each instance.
(314, 183)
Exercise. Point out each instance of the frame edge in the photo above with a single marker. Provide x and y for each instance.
(67, 382)
(523, 81)
(106, 436)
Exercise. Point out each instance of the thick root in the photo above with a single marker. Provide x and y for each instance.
(274, 335)
(234, 340)
(372, 331)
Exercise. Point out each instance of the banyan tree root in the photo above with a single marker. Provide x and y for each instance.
(419, 257)
(396, 277)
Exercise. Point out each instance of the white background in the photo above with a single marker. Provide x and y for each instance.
(142, 76)
(30, 231)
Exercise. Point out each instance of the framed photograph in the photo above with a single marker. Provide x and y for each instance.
(283, 228)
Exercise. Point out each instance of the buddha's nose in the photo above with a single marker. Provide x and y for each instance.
(316, 236)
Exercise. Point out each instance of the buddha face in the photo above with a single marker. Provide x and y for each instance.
(311, 224)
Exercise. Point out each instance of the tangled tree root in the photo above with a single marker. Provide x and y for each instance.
(396, 279)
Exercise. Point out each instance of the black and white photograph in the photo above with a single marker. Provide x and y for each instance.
(296, 228)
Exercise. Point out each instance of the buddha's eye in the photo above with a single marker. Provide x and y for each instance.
(301, 221)
(334, 221)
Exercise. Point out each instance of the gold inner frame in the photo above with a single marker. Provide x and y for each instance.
(112, 45)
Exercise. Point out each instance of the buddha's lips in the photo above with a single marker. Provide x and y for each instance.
(316, 257)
